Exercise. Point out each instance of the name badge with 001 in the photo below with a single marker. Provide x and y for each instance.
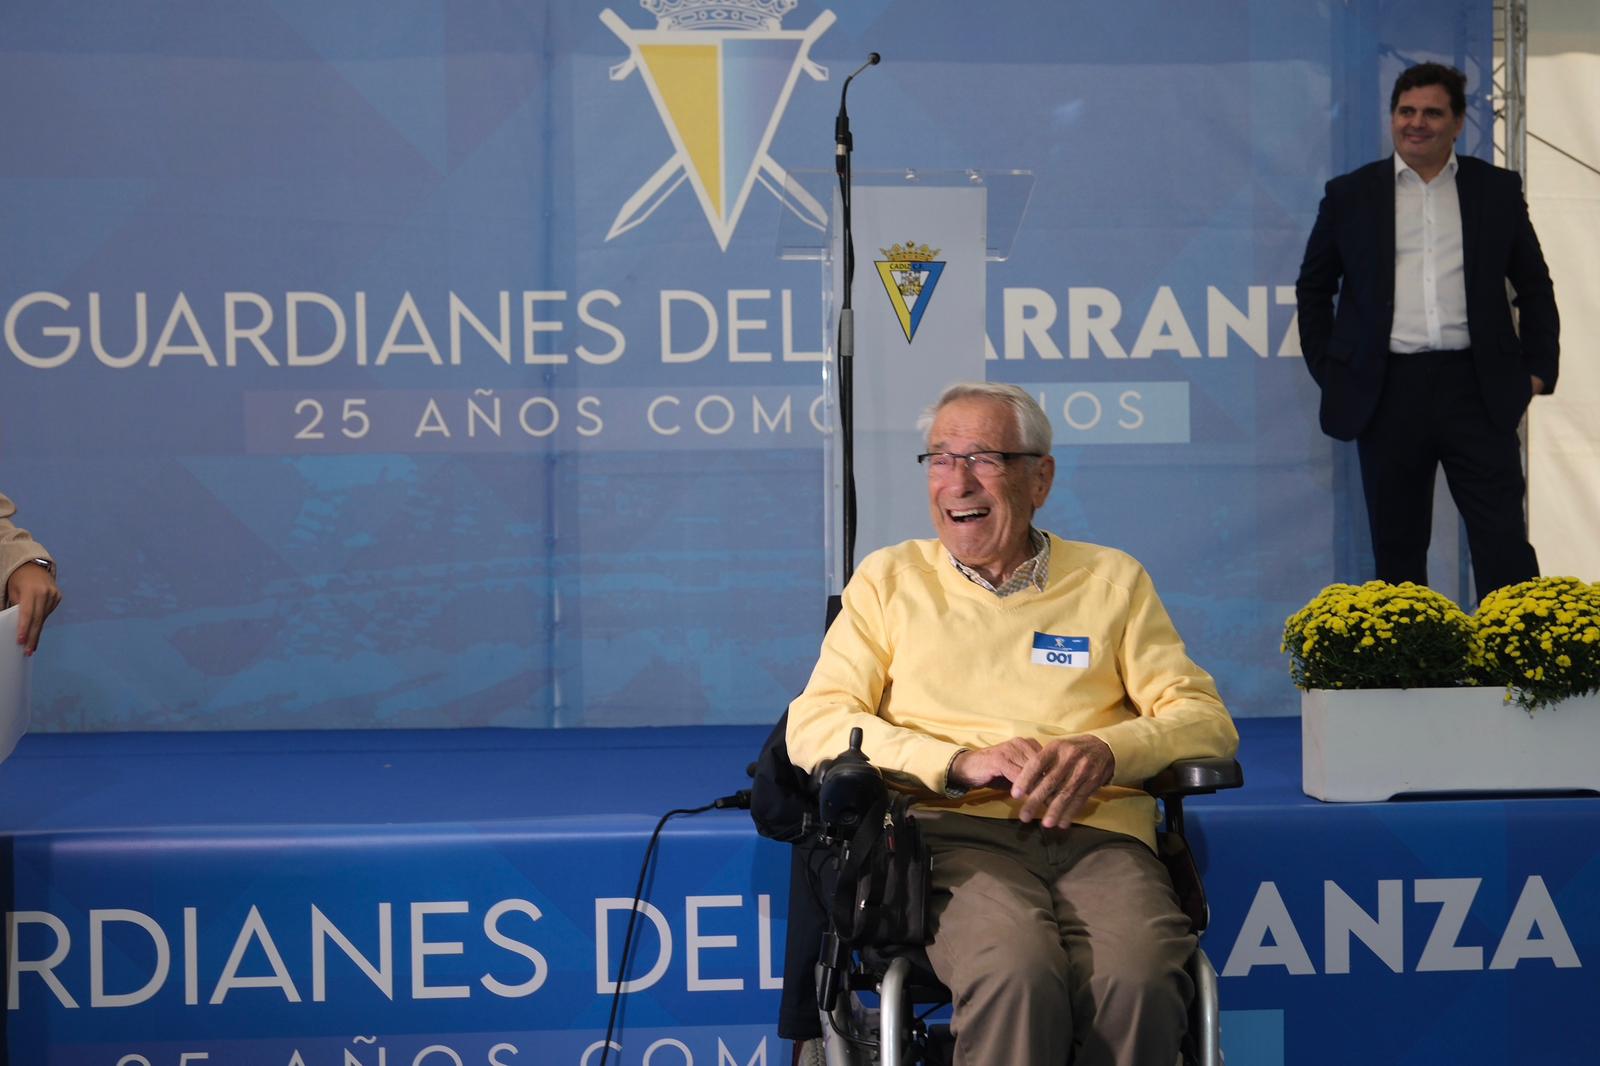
(1069, 652)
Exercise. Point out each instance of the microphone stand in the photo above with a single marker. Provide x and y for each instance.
(845, 345)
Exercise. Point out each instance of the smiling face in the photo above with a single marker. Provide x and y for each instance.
(984, 521)
(1425, 129)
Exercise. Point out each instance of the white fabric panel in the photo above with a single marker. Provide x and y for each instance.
(897, 376)
(1564, 197)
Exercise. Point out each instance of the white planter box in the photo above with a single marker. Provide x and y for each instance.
(1361, 745)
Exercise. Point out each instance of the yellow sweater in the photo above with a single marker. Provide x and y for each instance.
(928, 663)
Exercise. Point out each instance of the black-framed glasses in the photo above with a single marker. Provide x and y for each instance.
(983, 464)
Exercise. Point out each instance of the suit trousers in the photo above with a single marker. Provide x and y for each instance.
(1432, 414)
(1059, 945)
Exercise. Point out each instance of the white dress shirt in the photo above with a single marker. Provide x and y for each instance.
(1430, 287)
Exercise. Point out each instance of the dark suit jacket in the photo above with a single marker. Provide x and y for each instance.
(1351, 254)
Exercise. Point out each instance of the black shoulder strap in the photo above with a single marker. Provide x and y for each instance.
(852, 888)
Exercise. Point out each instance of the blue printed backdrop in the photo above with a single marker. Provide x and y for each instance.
(401, 438)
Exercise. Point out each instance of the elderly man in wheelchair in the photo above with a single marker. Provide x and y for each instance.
(1022, 689)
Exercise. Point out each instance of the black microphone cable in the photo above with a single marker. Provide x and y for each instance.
(737, 801)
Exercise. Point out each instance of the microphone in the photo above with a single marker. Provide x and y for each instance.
(843, 144)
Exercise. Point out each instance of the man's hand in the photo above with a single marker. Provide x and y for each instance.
(1538, 384)
(995, 767)
(1061, 777)
(33, 589)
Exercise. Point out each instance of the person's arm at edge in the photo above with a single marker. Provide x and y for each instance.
(26, 578)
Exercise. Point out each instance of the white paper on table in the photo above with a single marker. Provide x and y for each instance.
(15, 716)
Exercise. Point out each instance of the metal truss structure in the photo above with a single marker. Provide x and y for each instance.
(1509, 90)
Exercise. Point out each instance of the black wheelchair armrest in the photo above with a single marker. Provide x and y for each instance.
(1195, 777)
(1188, 777)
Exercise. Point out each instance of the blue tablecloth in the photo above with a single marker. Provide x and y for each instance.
(258, 895)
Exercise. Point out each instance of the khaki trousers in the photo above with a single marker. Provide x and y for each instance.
(1059, 945)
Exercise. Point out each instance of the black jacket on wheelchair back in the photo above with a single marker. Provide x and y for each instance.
(781, 805)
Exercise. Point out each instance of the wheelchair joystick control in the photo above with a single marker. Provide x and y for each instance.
(848, 787)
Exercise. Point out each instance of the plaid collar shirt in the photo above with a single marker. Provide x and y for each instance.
(1035, 572)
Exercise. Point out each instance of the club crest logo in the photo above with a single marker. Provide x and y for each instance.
(910, 272)
(720, 73)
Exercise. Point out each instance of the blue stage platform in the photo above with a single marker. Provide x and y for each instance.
(459, 897)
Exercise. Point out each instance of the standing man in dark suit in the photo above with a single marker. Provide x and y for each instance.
(1421, 363)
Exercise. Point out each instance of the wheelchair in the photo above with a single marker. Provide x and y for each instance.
(894, 1033)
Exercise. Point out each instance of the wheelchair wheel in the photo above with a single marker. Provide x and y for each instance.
(811, 1053)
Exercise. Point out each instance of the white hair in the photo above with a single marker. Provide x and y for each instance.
(1033, 425)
